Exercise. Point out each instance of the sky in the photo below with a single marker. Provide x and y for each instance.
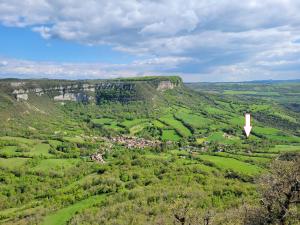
(199, 40)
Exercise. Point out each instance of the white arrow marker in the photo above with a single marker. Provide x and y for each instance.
(247, 127)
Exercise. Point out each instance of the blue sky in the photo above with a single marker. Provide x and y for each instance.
(200, 40)
(22, 43)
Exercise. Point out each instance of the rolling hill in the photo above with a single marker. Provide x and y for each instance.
(162, 142)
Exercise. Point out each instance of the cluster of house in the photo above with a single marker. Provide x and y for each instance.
(127, 142)
(135, 142)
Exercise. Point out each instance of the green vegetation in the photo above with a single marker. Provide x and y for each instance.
(176, 124)
(170, 135)
(232, 164)
(91, 162)
(64, 215)
(285, 148)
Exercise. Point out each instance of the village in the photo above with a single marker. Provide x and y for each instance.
(127, 142)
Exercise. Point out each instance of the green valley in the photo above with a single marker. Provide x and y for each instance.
(140, 150)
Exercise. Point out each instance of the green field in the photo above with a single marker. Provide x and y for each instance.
(177, 125)
(41, 149)
(170, 135)
(285, 148)
(102, 121)
(232, 164)
(25, 148)
(158, 124)
(12, 163)
(55, 165)
(62, 216)
(131, 123)
(193, 120)
(217, 136)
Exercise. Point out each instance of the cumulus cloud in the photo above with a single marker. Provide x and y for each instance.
(233, 37)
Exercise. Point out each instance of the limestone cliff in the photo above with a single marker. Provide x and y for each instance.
(94, 91)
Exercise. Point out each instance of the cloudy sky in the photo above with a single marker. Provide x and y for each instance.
(200, 40)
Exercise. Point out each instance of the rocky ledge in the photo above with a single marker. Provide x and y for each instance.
(91, 90)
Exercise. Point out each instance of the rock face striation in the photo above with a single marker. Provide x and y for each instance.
(165, 85)
(93, 91)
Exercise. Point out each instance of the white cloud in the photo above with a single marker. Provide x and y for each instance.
(33, 69)
(241, 38)
(129, 21)
(149, 67)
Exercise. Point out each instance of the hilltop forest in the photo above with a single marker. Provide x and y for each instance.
(149, 150)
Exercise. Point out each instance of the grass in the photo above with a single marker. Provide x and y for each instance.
(170, 135)
(55, 165)
(245, 158)
(193, 120)
(176, 124)
(114, 126)
(131, 123)
(275, 134)
(54, 143)
(62, 216)
(137, 128)
(12, 163)
(102, 121)
(214, 111)
(18, 139)
(266, 130)
(8, 150)
(226, 163)
(158, 124)
(285, 148)
(216, 136)
(290, 139)
(41, 149)
(239, 121)
(75, 139)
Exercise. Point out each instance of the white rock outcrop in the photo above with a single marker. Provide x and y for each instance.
(165, 85)
(66, 97)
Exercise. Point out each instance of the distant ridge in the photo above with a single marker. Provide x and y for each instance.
(272, 81)
(252, 81)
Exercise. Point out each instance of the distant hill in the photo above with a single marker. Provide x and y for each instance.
(164, 107)
(253, 81)
(285, 91)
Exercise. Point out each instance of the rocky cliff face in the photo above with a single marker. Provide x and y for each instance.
(91, 91)
(165, 85)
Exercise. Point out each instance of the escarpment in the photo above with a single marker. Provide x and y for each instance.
(92, 91)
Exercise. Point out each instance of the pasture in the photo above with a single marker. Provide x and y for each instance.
(225, 163)
(62, 216)
(176, 124)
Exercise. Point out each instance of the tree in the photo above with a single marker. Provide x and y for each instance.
(280, 190)
(185, 212)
